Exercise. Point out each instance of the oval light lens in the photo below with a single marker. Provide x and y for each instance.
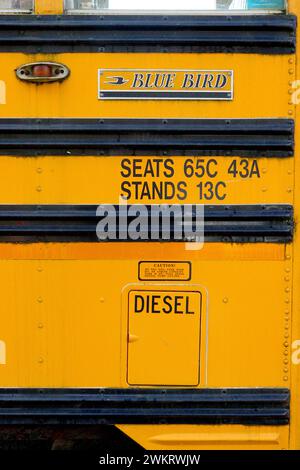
(42, 72)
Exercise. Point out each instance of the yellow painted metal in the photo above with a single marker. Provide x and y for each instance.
(66, 314)
(78, 180)
(260, 87)
(64, 324)
(294, 318)
(192, 437)
(139, 251)
(150, 311)
(49, 7)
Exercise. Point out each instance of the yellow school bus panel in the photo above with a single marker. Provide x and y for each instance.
(191, 437)
(49, 7)
(156, 180)
(260, 86)
(157, 317)
(149, 314)
(294, 7)
(64, 327)
(137, 251)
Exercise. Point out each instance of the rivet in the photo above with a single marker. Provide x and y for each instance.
(40, 325)
(289, 190)
(287, 256)
(286, 335)
(39, 189)
(40, 269)
(40, 300)
(264, 170)
(286, 361)
(287, 270)
(290, 113)
(287, 278)
(291, 92)
(264, 190)
(225, 300)
(287, 289)
(285, 378)
(39, 170)
(290, 172)
(285, 370)
(291, 71)
(285, 353)
(287, 301)
(285, 344)
(291, 61)
(41, 360)
(102, 300)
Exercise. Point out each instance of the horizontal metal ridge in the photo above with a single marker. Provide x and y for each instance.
(221, 212)
(145, 406)
(161, 125)
(243, 137)
(272, 22)
(65, 223)
(273, 34)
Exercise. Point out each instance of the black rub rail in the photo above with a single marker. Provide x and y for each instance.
(65, 223)
(265, 34)
(148, 406)
(242, 137)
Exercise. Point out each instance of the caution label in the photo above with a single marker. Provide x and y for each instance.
(164, 271)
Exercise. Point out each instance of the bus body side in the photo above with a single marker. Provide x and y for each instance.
(178, 345)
